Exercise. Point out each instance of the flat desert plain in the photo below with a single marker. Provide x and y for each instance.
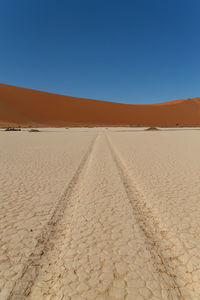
(100, 213)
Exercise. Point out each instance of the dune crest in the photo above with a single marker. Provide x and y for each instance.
(26, 107)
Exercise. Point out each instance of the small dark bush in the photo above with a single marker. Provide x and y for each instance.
(12, 129)
(152, 129)
(34, 130)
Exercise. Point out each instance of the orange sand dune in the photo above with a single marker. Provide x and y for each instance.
(25, 107)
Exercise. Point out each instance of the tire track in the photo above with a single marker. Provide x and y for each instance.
(155, 238)
(22, 286)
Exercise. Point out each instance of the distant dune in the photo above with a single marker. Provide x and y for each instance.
(25, 107)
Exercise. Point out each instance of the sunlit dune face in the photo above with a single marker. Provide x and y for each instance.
(19, 106)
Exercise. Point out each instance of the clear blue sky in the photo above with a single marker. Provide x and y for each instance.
(137, 51)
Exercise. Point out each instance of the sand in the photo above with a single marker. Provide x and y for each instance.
(100, 214)
(25, 107)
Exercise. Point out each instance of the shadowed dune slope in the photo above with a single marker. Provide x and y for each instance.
(25, 107)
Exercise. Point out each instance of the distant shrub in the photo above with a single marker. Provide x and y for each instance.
(152, 129)
(12, 129)
(34, 130)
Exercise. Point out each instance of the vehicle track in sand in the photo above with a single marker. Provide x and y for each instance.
(103, 241)
(23, 285)
(164, 251)
(99, 249)
(90, 257)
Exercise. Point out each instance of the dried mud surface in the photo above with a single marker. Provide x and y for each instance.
(100, 214)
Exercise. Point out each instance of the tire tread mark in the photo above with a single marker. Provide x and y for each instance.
(22, 287)
(147, 223)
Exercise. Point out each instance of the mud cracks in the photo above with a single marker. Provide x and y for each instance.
(104, 240)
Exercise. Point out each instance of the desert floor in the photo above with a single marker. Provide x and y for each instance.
(100, 213)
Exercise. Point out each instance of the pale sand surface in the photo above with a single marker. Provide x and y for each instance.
(100, 214)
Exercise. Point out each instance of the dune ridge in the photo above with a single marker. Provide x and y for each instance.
(26, 107)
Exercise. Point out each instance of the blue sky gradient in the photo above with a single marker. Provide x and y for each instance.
(124, 51)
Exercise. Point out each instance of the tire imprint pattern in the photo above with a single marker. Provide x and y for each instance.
(155, 238)
(23, 285)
